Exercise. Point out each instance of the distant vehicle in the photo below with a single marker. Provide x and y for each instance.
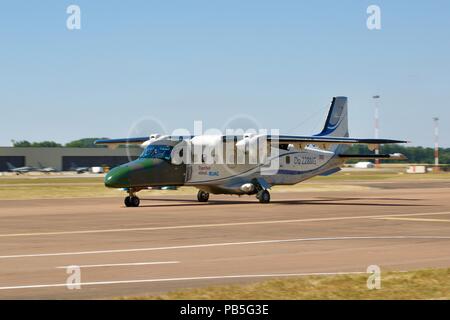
(46, 169)
(79, 170)
(416, 169)
(364, 165)
(298, 158)
(19, 170)
(97, 170)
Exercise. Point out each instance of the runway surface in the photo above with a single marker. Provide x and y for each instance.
(172, 243)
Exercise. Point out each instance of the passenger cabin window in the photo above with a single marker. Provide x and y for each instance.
(156, 152)
(288, 159)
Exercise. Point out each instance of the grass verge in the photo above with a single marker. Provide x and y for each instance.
(420, 284)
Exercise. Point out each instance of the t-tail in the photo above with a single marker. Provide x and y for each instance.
(10, 166)
(336, 124)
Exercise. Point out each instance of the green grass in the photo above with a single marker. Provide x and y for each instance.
(421, 284)
(56, 192)
(77, 191)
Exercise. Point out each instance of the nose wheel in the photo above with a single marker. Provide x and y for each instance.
(132, 201)
(202, 196)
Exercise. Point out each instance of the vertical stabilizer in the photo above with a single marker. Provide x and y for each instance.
(336, 124)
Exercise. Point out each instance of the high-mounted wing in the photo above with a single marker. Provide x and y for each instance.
(142, 141)
(114, 143)
(324, 141)
(330, 140)
(136, 140)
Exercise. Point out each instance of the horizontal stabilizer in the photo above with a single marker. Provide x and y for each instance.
(394, 156)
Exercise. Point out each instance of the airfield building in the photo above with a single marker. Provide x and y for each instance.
(65, 159)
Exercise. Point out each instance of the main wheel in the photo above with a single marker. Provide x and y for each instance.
(127, 201)
(202, 196)
(264, 196)
(132, 201)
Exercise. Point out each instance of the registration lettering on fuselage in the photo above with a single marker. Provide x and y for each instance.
(299, 160)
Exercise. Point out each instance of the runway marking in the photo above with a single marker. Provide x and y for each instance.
(224, 244)
(217, 225)
(119, 264)
(182, 279)
(413, 219)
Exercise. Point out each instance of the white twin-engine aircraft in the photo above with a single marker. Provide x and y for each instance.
(255, 164)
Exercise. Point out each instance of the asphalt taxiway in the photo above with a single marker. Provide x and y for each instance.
(174, 242)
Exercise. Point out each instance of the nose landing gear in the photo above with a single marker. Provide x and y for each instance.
(132, 200)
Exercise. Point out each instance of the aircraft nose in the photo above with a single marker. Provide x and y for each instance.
(117, 178)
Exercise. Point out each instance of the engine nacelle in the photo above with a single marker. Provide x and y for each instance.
(153, 137)
(255, 146)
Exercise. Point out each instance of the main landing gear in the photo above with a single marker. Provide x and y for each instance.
(263, 196)
(132, 200)
(202, 196)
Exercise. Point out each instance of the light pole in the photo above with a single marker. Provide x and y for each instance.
(436, 143)
(376, 99)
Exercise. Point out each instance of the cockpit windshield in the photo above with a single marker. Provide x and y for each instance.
(157, 152)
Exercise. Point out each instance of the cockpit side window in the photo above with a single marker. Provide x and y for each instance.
(157, 152)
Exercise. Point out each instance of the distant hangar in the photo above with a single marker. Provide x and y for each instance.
(65, 158)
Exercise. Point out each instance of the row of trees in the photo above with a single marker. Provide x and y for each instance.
(81, 143)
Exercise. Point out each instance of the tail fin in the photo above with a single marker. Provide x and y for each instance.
(336, 124)
(10, 166)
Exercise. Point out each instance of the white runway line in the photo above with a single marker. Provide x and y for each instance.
(275, 275)
(224, 244)
(413, 219)
(215, 225)
(119, 264)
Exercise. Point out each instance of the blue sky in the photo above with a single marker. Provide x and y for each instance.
(279, 62)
